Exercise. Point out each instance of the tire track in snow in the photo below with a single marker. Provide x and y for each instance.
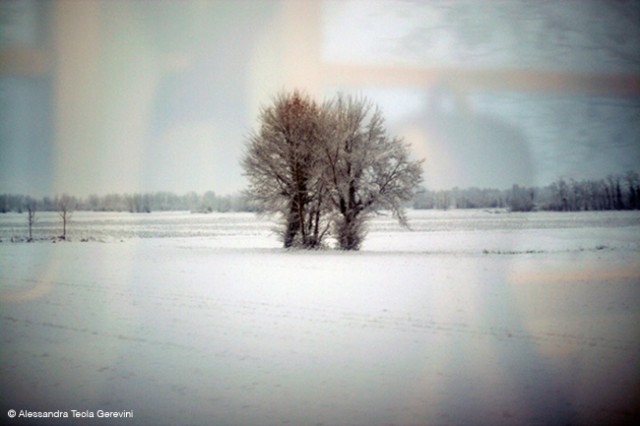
(88, 331)
(258, 315)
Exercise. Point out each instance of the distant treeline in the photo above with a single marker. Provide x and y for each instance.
(615, 192)
(133, 203)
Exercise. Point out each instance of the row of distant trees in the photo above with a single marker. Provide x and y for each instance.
(133, 203)
(615, 192)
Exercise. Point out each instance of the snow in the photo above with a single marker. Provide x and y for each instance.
(472, 317)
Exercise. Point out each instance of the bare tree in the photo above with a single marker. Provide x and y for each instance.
(521, 199)
(365, 169)
(31, 217)
(328, 164)
(66, 205)
(633, 181)
(282, 167)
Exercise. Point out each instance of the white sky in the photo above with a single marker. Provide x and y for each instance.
(151, 96)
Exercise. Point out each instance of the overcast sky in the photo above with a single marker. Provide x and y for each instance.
(153, 96)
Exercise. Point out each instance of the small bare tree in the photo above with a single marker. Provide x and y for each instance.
(66, 205)
(31, 217)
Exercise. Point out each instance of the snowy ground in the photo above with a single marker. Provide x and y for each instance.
(473, 317)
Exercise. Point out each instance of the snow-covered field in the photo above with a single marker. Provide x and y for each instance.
(472, 317)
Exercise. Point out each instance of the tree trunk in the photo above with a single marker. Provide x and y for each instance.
(292, 227)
